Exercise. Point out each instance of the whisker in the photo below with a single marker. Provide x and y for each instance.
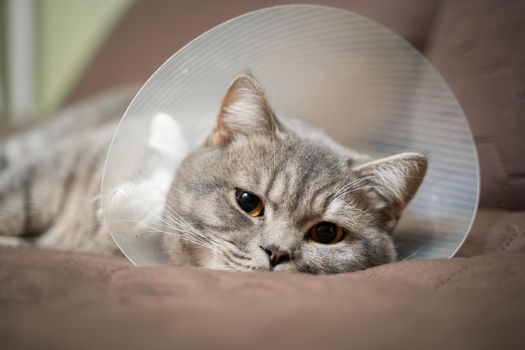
(160, 229)
(184, 229)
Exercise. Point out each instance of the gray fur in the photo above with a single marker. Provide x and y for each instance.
(49, 191)
(51, 177)
(302, 177)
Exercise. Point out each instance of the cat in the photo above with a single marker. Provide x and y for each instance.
(260, 194)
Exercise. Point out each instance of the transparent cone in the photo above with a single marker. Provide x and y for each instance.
(362, 84)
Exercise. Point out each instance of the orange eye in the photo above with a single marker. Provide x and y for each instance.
(326, 233)
(250, 203)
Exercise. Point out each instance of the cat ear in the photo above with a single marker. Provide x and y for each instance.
(391, 183)
(244, 112)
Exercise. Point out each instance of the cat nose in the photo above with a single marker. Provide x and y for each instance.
(275, 255)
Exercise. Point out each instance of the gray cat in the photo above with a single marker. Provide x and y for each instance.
(260, 194)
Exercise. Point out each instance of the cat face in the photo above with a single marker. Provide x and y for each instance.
(261, 195)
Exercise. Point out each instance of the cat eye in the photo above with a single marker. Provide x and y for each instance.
(326, 233)
(250, 203)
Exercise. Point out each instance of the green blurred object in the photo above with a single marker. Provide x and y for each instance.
(69, 34)
(45, 46)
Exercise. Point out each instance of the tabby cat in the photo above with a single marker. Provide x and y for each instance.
(260, 193)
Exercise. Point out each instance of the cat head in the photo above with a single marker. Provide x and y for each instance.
(264, 195)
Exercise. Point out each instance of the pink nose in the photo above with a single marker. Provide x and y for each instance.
(275, 255)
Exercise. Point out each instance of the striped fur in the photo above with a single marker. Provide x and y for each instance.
(50, 179)
(302, 177)
(50, 182)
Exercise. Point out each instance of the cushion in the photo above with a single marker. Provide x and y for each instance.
(56, 300)
(479, 48)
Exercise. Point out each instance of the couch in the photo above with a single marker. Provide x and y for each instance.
(475, 300)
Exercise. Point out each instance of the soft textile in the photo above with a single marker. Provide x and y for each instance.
(52, 300)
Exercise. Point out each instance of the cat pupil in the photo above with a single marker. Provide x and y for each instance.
(326, 232)
(249, 202)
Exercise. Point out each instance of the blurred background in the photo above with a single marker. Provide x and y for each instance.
(54, 53)
(46, 46)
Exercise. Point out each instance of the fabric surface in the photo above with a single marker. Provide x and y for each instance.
(52, 300)
(495, 232)
(56, 300)
(479, 47)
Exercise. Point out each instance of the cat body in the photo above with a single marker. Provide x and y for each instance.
(259, 194)
(51, 176)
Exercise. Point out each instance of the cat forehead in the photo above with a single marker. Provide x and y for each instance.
(296, 172)
(291, 153)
